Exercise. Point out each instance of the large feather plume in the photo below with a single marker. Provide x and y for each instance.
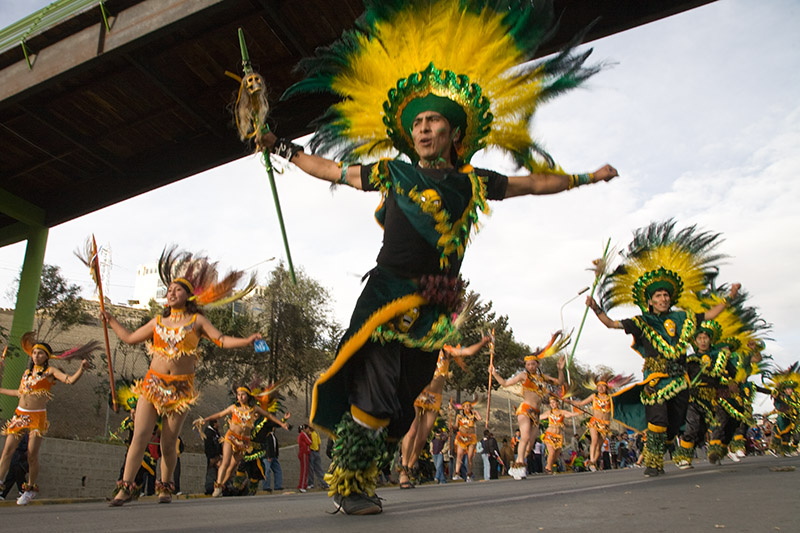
(741, 325)
(27, 342)
(269, 396)
(558, 341)
(81, 352)
(87, 256)
(202, 274)
(492, 43)
(688, 252)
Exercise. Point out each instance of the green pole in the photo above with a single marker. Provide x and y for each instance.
(27, 296)
(247, 68)
(586, 311)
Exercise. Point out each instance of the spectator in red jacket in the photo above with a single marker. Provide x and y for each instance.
(303, 454)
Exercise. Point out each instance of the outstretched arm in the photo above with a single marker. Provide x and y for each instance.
(581, 403)
(601, 315)
(555, 183)
(272, 417)
(562, 362)
(224, 341)
(140, 335)
(224, 412)
(469, 350)
(714, 312)
(69, 380)
(513, 380)
(506, 382)
(10, 392)
(316, 166)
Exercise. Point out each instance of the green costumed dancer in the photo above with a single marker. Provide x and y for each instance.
(707, 366)
(785, 391)
(662, 267)
(716, 370)
(751, 362)
(433, 81)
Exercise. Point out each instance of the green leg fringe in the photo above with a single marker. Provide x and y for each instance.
(653, 456)
(356, 455)
(716, 452)
(781, 447)
(736, 445)
(683, 454)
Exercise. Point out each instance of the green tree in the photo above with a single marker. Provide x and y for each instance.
(59, 306)
(301, 333)
(508, 353)
(234, 366)
(296, 324)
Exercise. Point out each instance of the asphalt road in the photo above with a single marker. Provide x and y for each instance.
(758, 494)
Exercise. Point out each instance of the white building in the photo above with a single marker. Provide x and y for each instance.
(148, 286)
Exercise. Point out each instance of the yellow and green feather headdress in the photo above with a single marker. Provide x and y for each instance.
(735, 328)
(661, 257)
(405, 56)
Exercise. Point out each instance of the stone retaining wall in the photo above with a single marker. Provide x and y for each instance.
(79, 469)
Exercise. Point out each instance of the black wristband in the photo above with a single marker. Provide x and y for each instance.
(286, 149)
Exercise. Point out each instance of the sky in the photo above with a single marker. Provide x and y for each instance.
(698, 112)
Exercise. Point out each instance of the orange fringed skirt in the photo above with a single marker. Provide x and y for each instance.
(25, 421)
(169, 394)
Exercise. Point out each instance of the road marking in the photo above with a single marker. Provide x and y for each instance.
(533, 496)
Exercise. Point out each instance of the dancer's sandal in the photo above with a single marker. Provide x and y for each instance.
(404, 473)
(165, 491)
(123, 493)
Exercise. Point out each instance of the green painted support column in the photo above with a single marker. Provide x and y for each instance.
(25, 309)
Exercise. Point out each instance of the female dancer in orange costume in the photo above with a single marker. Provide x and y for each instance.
(553, 437)
(602, 411)
(427, 407)
(168, 388)
(534, 389)
(31, 413)
(236, 441)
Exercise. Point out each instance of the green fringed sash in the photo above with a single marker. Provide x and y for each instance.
(657, 336)
(735, 412)
(664, 390)
(443, 212)
(440, 333)
(705, 397)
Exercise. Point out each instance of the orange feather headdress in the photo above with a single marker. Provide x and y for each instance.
(199, 276)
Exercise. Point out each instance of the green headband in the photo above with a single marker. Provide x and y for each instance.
(650, 282)
(457, 99)
(446, 107)
(658, 286)
(712, 328)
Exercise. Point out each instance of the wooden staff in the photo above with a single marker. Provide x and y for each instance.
(95, 268)
(489, 395)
